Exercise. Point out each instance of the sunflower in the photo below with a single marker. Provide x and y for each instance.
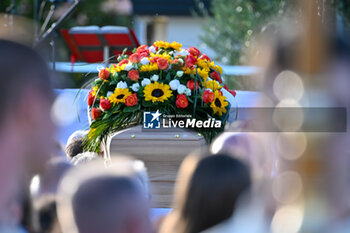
(119, 95)
(219, 104)
(167, 45)
(212, 84)
(149, 67)
(157, 92)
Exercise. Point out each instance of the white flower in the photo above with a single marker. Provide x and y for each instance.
(145, 82)
(188, 92)
(155, 78)
(181, 60)
(181, 89)
(128, 66)
(135, 87)
(122, 84)
(144, 61)
(152, 49)
(179, 73)
(174, 84)
(109, 93)
(182, 53)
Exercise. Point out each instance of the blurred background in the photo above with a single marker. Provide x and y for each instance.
(223, 29)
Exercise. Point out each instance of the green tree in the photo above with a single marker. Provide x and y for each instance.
(232, 23)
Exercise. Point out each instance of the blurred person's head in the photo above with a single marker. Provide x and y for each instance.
(93, 198)
(84, 157)
(137, 166)
(110, 205)
(45, 210)
(43, 194)
(77, 135)
(74, 147)
(209, 195)
(47, 182)
(26, 127)
(249, 148)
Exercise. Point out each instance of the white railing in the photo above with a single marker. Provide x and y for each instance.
(81, 67)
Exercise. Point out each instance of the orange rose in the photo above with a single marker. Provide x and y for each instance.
(181, 101)
(133, 75)
(135, 58)
(162, 63)
(131, 100)
(141, 48)
(95, 113)
(208, 96)
(103, 74)
(143, 54)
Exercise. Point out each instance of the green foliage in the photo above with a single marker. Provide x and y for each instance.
(232, 23)
(343, 8)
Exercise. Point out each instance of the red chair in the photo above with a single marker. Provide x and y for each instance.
(93, 44)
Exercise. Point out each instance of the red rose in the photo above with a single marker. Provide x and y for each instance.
(105, 104)
(181, 101)
(208, 96)
(162, 63)
(216, 76)
(141, 48)
(135, 58)
(190, 60)
(204, 57)
(95, 113)
(131, 100)
(233, 92)
(103, 74)
(194, 51)
(133, 75)
(143, 54)
(154, 59)
(91, 98)
(190, 85)
(124, 61)
(176, 64)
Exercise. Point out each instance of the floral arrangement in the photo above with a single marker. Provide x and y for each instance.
(161, 77)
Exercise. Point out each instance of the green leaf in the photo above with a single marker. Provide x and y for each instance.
(132, 109)
(147, 104)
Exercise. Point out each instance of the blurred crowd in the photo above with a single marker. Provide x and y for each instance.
(288, 181)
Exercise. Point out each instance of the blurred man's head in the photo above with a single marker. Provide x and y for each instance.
(110, 205)
(93, 198)
(47, 182)
(84, 157)
(25, 98)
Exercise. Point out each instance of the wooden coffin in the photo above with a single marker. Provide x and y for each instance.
(162, 153)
